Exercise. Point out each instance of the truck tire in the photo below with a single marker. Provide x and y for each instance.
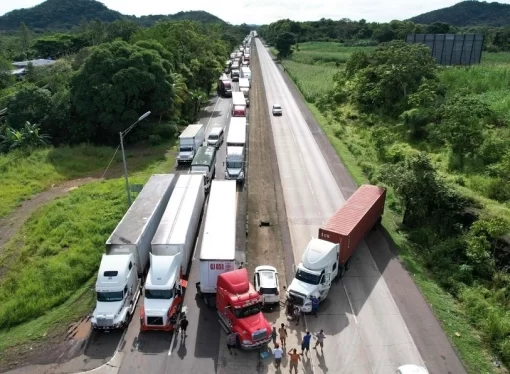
(347, 265)
(341, 272)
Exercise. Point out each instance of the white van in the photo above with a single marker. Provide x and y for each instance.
(215, 137)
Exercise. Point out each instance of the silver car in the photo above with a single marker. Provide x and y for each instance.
(266, 283)
(277, 110)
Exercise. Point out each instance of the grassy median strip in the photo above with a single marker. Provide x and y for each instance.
(58, 250)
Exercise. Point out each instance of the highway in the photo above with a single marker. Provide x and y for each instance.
(158, 352)
(364, 328)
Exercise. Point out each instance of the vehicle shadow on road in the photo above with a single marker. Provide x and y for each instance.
(102, 344)
(152, 342)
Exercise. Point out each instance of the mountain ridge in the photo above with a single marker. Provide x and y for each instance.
(468, 13)
(66, 14)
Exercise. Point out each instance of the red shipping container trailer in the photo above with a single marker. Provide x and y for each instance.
(359, 214)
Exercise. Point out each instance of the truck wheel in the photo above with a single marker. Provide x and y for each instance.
(347, 265)
(341, 272)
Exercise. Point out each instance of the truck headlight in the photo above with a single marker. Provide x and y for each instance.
(246, 342)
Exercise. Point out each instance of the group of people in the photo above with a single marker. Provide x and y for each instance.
(295, 357)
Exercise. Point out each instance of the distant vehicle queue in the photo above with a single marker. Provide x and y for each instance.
(149, 253)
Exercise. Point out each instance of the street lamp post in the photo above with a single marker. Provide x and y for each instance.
(122, 134)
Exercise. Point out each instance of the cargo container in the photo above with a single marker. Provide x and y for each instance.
(328, 256)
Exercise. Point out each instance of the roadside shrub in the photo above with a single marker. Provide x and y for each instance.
(493, 147)
(165, 131)
(499, 190)
(155, 139)
(399, 152)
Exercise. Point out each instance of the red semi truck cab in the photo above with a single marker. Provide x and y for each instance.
(239, 307)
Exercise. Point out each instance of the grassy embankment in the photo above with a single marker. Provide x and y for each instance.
(47, 270)
(312, 68)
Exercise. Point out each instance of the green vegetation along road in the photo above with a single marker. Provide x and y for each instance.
(459, 265)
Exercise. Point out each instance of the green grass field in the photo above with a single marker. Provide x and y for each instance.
(60, 247)
(23, 177)
(490, 80)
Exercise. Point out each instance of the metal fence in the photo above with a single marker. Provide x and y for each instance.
(451, 49)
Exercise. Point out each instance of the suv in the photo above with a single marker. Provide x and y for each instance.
(215, 137)
(277, 110)
(266, 284)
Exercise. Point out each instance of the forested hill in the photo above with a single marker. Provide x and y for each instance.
(468, 13)
(65, 14)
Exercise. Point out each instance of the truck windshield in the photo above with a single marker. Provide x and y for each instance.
(110, 296)
(234, 165)
(158, 294)
(185, 149)
(248, 311)
(306, 277)
(213, 137)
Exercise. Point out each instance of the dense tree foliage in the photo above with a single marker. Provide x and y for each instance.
(362, 33)
(108, 74)
(117, 82)
(468, 13)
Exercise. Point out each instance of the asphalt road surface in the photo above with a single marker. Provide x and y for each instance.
(159, 352)
(366, 333)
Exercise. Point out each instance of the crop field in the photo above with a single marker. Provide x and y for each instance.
(476, 318)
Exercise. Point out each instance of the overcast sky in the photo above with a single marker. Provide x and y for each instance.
(267, 11)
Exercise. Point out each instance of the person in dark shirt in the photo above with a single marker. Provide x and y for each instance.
(184, 325)
(305, 343)
(315, 305)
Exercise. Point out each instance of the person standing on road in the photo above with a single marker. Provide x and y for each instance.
(278, 354)
(273, 336)
(315, 306)
(283, 335)
(231, 342)
(184, 325)
(294, 360)
(320, 340)
(305, 343)
(297, 314)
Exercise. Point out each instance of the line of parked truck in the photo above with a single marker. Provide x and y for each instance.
(153, 245)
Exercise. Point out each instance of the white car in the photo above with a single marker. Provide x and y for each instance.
(277, 110)
(412, 369)
(266, 283)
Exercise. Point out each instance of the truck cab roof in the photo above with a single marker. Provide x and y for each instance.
(319, 254)
(113, 271)
(237, 286)
(163, 272)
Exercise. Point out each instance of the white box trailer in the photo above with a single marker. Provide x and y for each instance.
(238, 99)
(172, 248)
(245, 73)
(218, 249)
(244, 86)
(178, 227)
(190, 140)
(134, 233)
(236, 136)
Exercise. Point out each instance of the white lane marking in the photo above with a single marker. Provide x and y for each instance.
(175, 333)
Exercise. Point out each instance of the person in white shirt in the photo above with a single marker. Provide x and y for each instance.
(278, 354)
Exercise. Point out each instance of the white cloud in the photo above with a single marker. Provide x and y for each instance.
(267, 11)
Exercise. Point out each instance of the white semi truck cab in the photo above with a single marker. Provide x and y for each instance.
(117, 290)
(163, 293)
(313, 276)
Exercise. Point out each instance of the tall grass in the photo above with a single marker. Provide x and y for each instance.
(59, 248)
(324, 53)
(312, 80)
(23, 176)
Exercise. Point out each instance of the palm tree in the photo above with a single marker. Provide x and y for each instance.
(181, 92)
